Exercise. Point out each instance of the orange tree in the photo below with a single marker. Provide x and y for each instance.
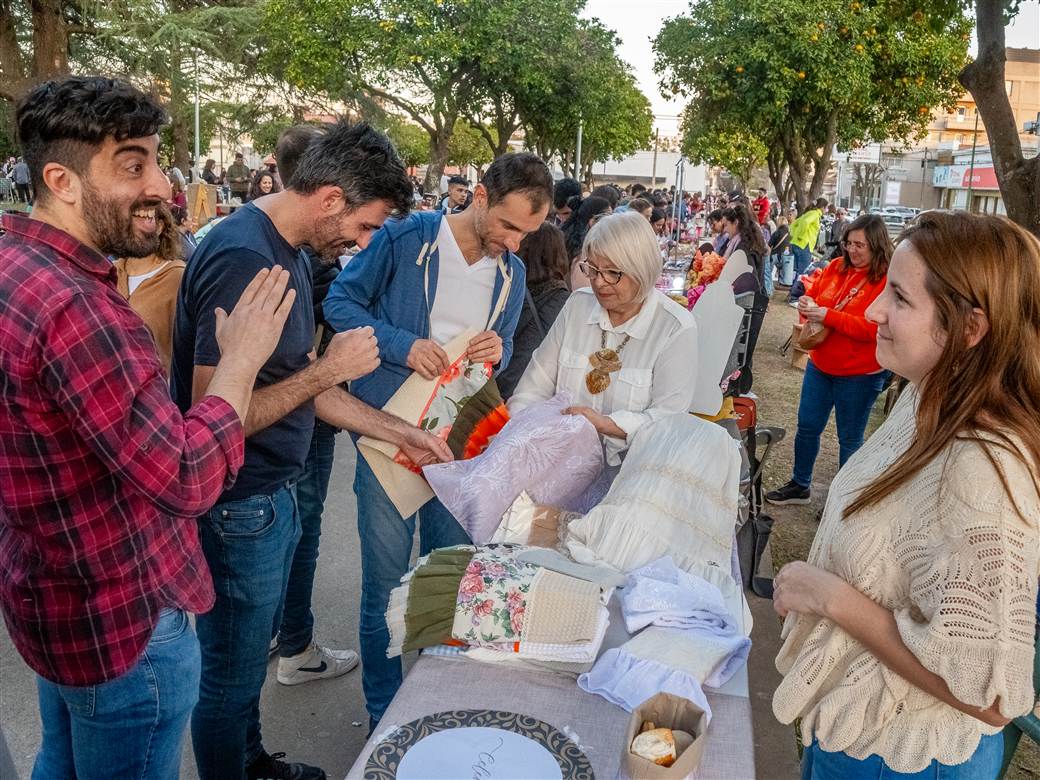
(803, 77)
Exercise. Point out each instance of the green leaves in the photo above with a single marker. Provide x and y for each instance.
(801, 77)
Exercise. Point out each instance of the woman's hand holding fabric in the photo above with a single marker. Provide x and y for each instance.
(604, 425)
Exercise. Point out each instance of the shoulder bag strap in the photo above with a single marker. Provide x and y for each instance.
(534, 311)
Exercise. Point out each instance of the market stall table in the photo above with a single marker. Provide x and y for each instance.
(438, 683)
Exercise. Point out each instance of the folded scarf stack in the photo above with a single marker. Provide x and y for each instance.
(488, 598)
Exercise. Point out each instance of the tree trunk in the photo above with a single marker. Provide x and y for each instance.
(777, 173)
(439, 142)
(180, 129)
(1019, 178)
(49, 47)
(50, 40)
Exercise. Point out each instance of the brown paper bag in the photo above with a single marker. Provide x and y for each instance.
(666, 710)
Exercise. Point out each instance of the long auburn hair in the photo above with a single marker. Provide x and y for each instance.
(989, 393)
(169, 247)
(878, 242)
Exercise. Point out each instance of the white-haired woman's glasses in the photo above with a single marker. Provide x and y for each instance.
(610, 275)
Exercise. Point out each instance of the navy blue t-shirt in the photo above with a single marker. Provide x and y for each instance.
(219, 270)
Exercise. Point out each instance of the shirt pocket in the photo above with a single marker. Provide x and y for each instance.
(634, 386)
(571, 372)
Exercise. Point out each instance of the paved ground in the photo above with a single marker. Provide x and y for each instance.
(313, 722)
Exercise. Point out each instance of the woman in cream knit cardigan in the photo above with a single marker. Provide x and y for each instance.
(909, 631)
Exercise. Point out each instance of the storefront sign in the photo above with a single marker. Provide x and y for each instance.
(983, 177)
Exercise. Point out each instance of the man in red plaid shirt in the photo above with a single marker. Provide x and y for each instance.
(101, 476)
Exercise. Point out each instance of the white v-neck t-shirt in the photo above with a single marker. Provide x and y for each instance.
(463, 296)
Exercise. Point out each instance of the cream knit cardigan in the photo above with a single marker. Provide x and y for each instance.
(948, 554)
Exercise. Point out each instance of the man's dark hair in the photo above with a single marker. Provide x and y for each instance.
(564, 190)
(520, 172)
(821, 203)
(359, 160)
(65, 121)
(458, 180)
(762, 190)
(292, 143)
(608, 192)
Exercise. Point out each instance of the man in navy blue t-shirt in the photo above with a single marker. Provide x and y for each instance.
(346, 185)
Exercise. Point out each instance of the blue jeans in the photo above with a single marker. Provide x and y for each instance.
(131, 727)
(984, 764)
(297, 630)
(802, 260)
(771, 262)
(851, 398)
(249, 545)
(386, 547)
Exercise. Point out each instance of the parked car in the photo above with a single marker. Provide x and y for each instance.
(894, 223)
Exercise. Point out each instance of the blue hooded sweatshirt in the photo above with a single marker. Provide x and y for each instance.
(391, 285)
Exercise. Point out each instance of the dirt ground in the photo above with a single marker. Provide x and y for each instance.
(778, 387)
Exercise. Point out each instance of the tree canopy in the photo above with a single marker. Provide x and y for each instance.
(805, 77)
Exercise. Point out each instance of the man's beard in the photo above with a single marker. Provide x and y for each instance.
(480, 226)
(326, 242)
(112, 228)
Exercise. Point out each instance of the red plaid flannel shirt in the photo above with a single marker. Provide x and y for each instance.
(100, 475)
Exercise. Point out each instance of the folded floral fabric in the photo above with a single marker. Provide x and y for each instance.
(584, 653)
(487, 597)
(627, 681)
(554, 457)
(492, 598)
(662, 594)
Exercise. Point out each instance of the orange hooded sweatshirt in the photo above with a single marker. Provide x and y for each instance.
(850, 348)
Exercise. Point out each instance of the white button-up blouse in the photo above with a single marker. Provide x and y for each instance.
(659, 363)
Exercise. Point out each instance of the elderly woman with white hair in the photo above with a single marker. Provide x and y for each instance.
(625, 352)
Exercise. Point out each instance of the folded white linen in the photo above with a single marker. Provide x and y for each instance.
(709, 657)
(662, 594)
(627, 681)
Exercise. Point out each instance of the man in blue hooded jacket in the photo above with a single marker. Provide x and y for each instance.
(421, 282)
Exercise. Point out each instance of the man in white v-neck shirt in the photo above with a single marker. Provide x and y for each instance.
(420, 283)
(463, 289)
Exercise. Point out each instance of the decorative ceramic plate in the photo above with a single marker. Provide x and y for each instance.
(482, 744)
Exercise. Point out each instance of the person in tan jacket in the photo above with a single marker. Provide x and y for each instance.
(150, 284)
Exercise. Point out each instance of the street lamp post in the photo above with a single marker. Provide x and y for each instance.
(195, 172)
(971, 169)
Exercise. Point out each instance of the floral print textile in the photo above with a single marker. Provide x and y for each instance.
(492, 598)
(461, 381)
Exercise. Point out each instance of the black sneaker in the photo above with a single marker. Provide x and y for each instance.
(267, 766)
(791, 493)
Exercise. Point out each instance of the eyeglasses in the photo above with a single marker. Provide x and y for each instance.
(610, 275)
(854, 245)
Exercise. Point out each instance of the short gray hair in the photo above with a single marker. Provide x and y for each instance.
(629, 243)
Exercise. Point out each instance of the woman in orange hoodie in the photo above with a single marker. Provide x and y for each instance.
(843, 372)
